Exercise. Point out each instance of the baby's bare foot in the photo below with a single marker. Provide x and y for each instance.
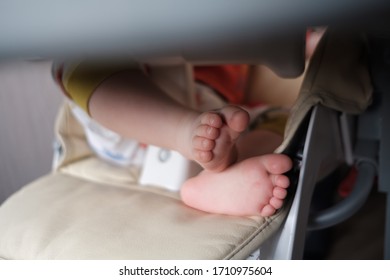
(255, 186)
(214, 138)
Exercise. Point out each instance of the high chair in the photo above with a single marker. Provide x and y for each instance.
(88, 209)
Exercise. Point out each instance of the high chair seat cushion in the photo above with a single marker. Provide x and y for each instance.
(61, 216)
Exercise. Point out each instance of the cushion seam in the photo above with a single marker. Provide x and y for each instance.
(252, 236)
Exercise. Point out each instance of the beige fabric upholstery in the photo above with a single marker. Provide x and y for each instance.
(337, 78)
(65, 217)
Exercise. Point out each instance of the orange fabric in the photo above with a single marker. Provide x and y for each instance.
(228, 80)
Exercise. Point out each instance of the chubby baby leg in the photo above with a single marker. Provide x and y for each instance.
(255, 186)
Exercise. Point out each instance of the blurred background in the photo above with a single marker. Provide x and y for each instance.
(29, 101)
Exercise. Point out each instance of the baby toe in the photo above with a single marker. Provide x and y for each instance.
(203, 144)
(281, 181)
(276, 203)
(203, 156)
(236, 118)
(207, 131)
(268, 210)
(279, 193)
(211, 119)
(276, 163)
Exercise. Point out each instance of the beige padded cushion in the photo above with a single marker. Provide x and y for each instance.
(65, 217)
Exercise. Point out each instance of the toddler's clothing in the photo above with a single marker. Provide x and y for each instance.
(229, 80)
(214, 84)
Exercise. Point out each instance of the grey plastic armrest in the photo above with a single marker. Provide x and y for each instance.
(351, 204)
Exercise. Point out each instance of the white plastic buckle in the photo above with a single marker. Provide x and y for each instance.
(166, 168)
